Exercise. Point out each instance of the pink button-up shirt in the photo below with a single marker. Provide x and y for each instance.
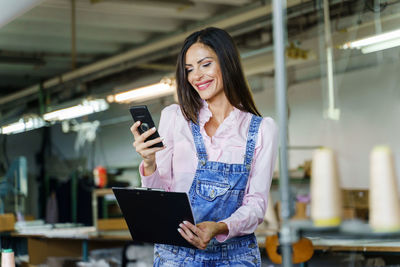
(177, 163)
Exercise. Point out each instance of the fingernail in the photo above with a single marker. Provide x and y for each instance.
(162, 138)
(179, 230)
(180, 225)
(153, 129)
(185, 222)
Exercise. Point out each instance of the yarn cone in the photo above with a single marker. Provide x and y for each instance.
(7, 258)
(384, 208)
(326, 202)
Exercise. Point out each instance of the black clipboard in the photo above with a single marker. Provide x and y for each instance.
(153, 215)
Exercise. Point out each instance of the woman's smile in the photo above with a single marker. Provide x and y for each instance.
(203, 85)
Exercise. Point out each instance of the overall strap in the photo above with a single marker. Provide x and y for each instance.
(251, 140)
(198, 142)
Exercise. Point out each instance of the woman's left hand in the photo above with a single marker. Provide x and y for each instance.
(200, 235)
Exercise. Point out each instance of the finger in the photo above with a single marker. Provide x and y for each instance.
(145, 151)
(147, 133)
(192, 239)
(188, 232)
(192, 227)
(154, 141)
(134, 130)
(186, 237)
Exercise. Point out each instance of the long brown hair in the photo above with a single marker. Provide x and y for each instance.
(235, 85)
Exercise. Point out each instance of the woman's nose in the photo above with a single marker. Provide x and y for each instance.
(197, 74)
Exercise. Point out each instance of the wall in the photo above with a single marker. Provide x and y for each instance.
(369, 100)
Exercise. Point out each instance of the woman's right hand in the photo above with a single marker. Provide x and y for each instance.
(142, 147)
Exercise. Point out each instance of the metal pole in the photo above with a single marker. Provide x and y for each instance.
(85, 250)
(73, 35)
(279, 27)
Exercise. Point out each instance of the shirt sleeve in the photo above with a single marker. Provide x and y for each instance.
(163, 175)
(247, 217)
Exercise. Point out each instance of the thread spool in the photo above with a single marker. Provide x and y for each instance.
(384, 213)
(7, 258)
(326, 199)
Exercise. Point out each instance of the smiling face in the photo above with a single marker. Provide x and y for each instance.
(204, 72)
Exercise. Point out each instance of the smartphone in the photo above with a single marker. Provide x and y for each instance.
(142, 114)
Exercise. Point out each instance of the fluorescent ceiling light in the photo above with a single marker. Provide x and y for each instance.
(85, 108)
(23, 125)
(376, 42)
(165, 87)
(380, 46)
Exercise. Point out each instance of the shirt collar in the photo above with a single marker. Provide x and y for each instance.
(205, 115)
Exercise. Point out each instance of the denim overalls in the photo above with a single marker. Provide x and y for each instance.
(216, 192)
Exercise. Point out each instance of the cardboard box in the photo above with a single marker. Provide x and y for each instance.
(355, 198)
(301, 211)
(348, 213)
(7, 222)
(40, 249)
(355, 204)
(111, 224)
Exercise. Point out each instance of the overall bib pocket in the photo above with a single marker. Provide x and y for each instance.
(210, 190)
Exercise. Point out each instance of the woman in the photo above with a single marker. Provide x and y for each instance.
(218, 149)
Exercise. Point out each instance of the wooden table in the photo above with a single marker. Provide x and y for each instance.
(356, 245)
(349, 245)
(41, 246)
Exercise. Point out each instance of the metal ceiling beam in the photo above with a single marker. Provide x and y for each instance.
(225, 2)
(251, 13)
(106, 20)
(186, 10)
(29, 43)
(13, 71)
(21, 60)
(85, 32)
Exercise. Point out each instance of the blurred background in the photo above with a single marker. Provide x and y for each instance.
(78, 57)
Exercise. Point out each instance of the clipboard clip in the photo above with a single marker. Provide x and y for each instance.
(149, 189)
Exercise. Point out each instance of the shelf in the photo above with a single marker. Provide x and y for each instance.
(306, 180)
(348, 229)
(105, 222)
(102, 192)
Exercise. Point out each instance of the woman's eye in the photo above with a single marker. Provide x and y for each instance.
(188, 70)
(207, 64)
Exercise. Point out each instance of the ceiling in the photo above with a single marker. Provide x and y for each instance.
(49, 52)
